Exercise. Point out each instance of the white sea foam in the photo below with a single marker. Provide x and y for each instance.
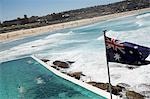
(148, 58)
(100, 38)
(58, 35)
(34, 46)
(139, 22)
(143, 16)
(139, 36)
(86, 26)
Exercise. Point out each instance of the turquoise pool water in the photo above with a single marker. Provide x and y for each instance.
(27, 79)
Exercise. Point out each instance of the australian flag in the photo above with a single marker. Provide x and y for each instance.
(125, 52)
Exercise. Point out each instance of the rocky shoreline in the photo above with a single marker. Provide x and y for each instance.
(121, 89)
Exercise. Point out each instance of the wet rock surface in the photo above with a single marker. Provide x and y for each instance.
(134, 95)
(123, 85)
(61, 64)
(45, 60)
(117, 90)
(76, 75)
(105, 86)
(70, 62)
(146, 94)
(57, 68)
(100, 85)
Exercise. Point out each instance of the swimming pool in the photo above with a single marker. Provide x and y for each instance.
(28, 79)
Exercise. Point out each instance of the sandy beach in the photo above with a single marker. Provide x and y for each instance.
(50, 28)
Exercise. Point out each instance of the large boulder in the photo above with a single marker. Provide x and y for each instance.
(61, 64)
(133, 95)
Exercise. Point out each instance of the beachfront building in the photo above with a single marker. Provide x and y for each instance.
(18, 21)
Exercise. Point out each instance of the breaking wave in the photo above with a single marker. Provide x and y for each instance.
(143, 16)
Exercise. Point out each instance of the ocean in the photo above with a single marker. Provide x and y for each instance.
(85, 46)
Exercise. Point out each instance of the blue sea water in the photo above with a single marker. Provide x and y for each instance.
(27, 79)
(85, 46)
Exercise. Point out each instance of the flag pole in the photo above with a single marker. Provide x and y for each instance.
(110, 89)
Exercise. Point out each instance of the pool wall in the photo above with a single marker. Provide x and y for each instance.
(75, 81)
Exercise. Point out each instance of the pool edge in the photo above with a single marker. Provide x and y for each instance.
(75, 81)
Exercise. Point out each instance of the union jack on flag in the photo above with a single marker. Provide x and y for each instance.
(114, 44)
(125, 52)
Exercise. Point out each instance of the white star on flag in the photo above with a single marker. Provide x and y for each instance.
(131, 52)
(117, 57)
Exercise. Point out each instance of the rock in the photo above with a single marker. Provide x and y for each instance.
(76, 75)
(134, 95)
(130, 67)
(123, 85)
(92, 83)
(116, 90)
(33, 46)
(70, 62)
(120, 87)
(61, 64)
(103, 86)
(146, 94)
(64, 72)
(45, 60)
(55, 67)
